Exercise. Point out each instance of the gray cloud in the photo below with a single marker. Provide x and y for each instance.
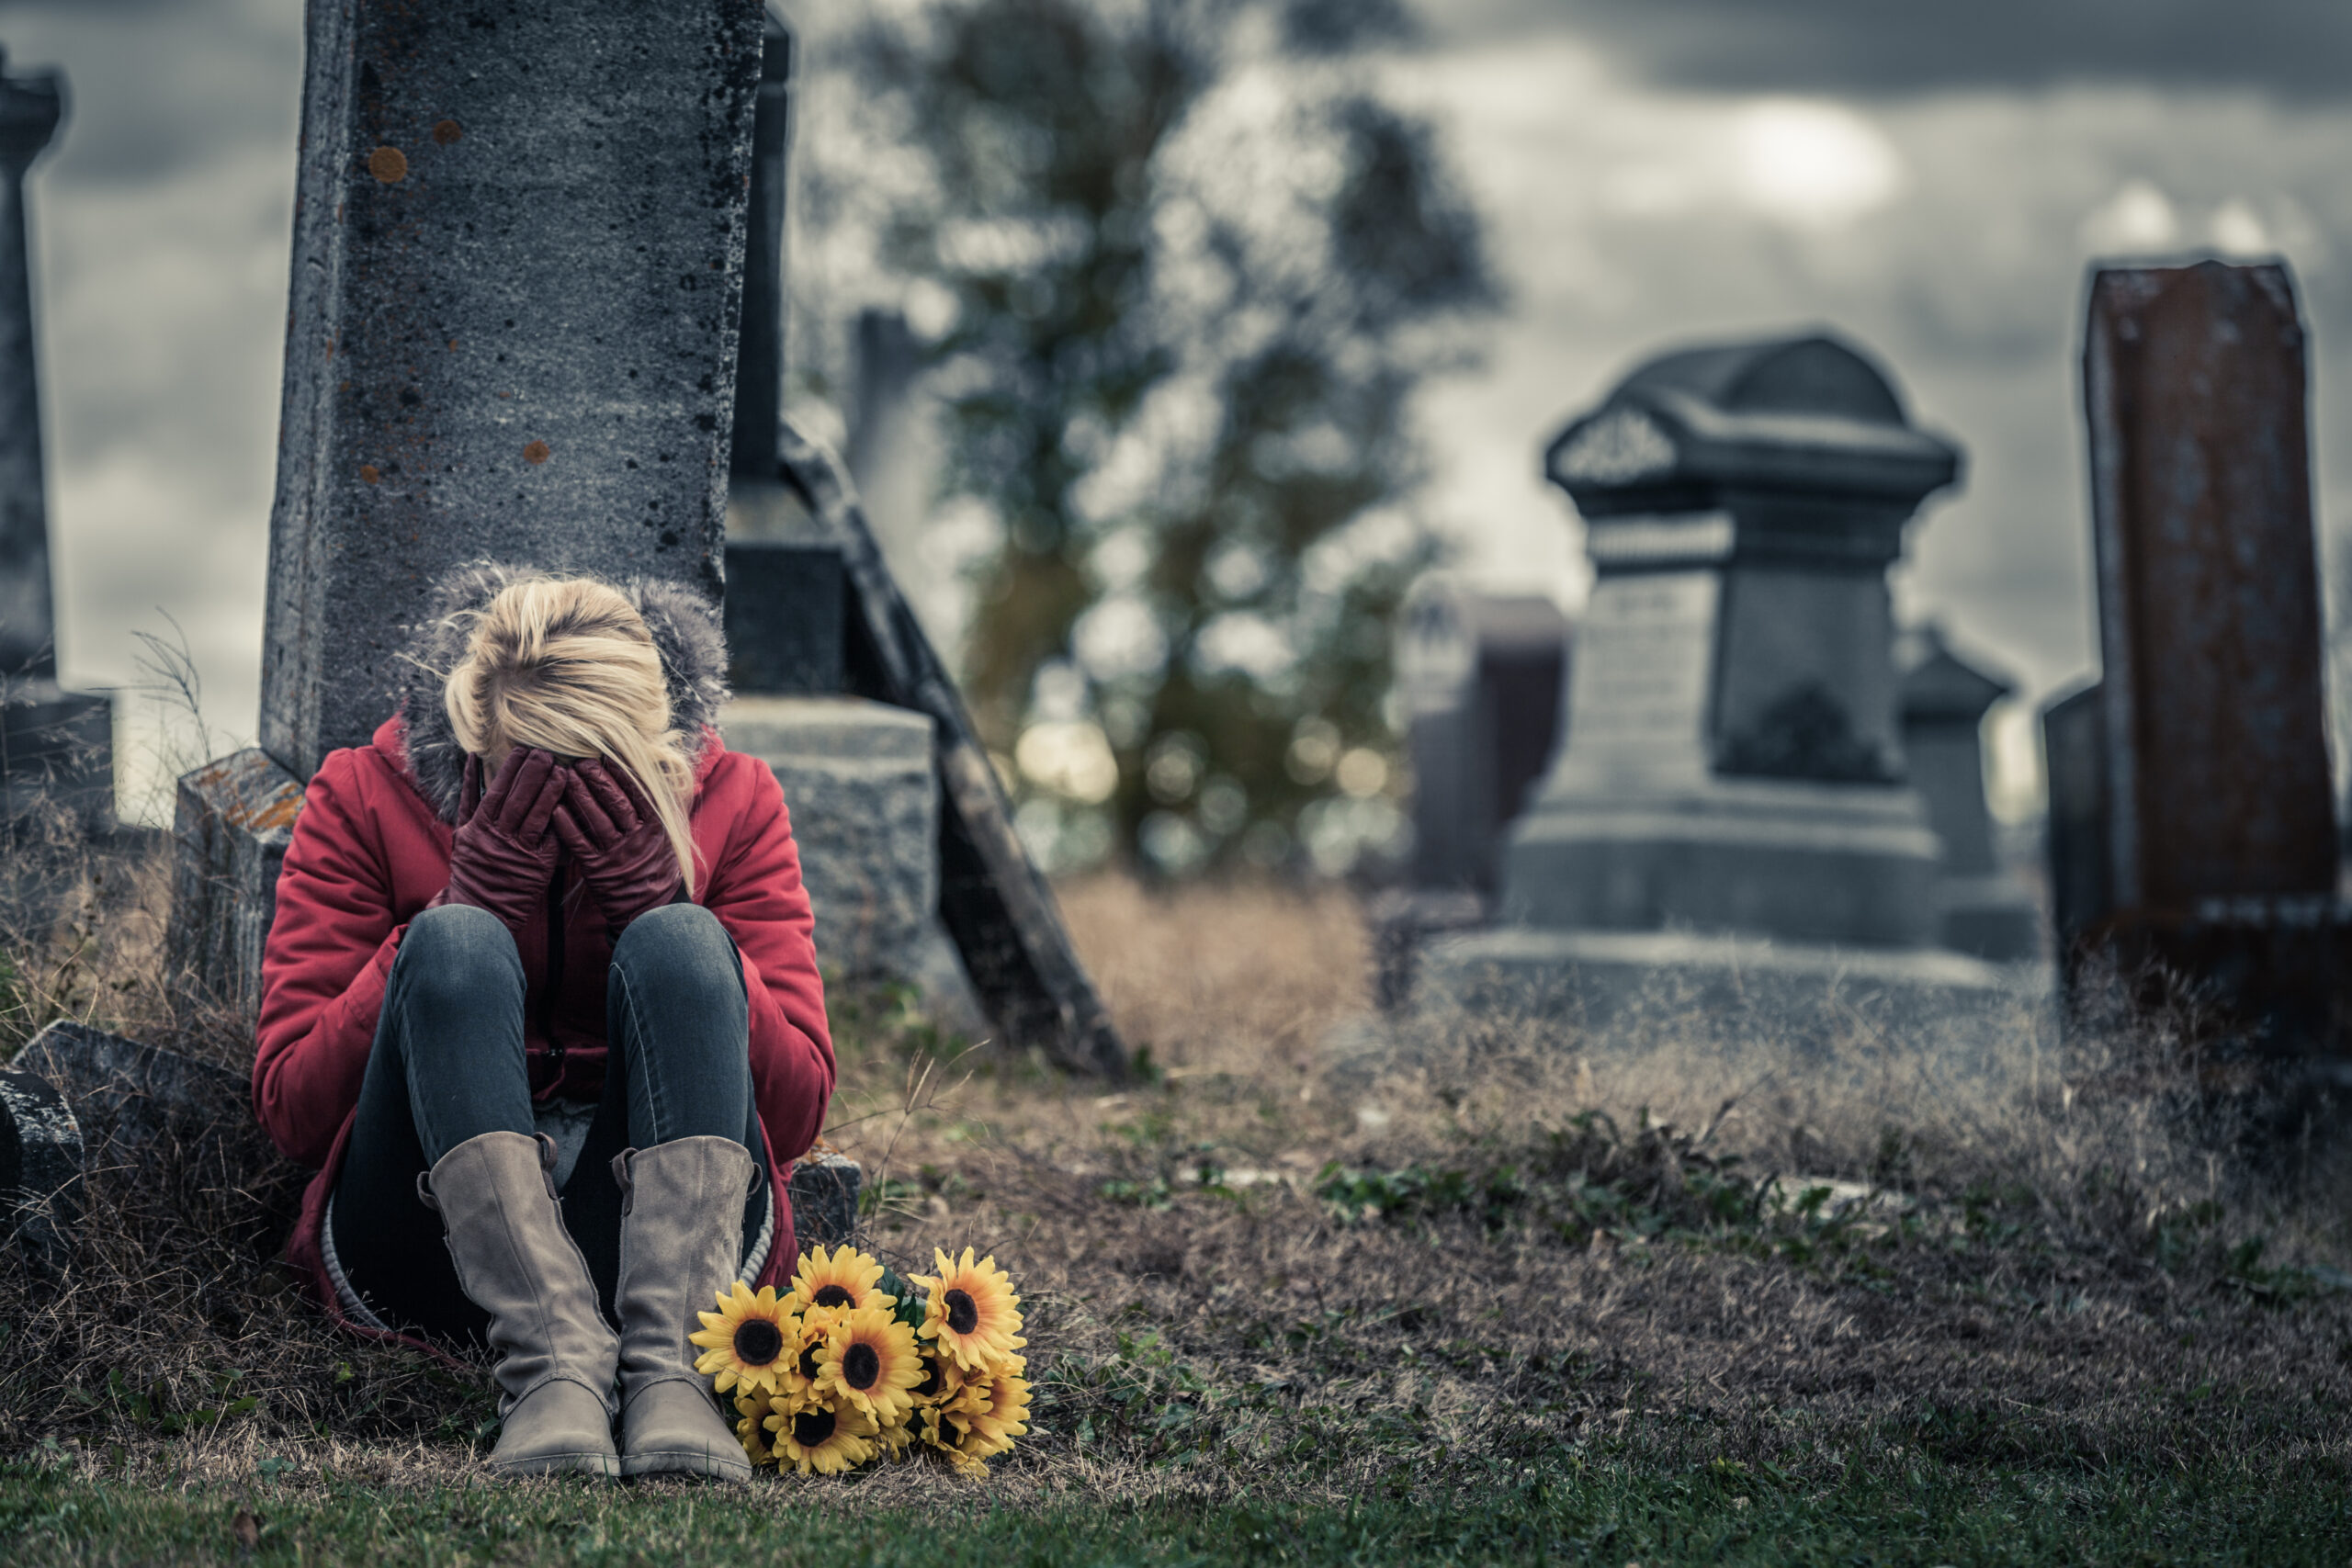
(156, 88)
(2294, 48)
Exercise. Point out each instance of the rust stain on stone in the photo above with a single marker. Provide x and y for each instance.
(389, 165)
(537, 453)
(446, 132)
(278, 811)
(368, 472)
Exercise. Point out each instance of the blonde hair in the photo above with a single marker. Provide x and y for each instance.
(566, 664)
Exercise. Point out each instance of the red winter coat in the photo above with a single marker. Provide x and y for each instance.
(369, 854)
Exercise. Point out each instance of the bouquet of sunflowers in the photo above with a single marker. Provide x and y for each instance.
(853, 1364)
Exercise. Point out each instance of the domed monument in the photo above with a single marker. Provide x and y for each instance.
(1732, 791)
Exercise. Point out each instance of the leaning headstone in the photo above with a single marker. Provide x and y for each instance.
(1729, 806)
(1982, 906)
(56, 746)
(993, 901)
(517, 270)
(2221, 848)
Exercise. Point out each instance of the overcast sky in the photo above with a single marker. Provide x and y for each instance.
(1930, 180)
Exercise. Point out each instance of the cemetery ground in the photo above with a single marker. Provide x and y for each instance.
(1510, 1302)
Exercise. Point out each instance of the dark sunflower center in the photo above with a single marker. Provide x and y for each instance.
(962, 1313)
(860, 1367)
(809, 1363)
(811, 1428)
(930, 1380)
(757, 1342)
(834, 1296)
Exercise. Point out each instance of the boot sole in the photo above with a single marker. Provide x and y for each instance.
(683, 1462)
(606, 1466)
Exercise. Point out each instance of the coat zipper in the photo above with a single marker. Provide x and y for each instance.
(554, 976)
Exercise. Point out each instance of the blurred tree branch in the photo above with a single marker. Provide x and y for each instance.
(1199, 268)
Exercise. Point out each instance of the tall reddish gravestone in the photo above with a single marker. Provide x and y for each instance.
(517, 277)
(2212, 799)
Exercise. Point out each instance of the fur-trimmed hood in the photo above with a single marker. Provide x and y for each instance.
(685, 630)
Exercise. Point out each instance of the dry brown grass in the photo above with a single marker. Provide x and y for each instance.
(2056, 1295)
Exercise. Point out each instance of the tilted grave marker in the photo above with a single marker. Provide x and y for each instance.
(993, 900)
(2220, 860)
(518, 264)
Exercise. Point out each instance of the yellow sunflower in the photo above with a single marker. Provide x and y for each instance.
(750, 1429)
(846, 1279)
(993, 1421)
(972, 1316)
(804, 1352)
(870, 1361)
(812, 1435)
(744, 1340)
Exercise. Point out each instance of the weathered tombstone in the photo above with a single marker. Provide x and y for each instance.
(1482, 675)
(784, 583)
(55, 746)
(2211, 775)
(857, 774)
(517, 270)
(1730, 801)
(1983, 907)
(2074, 750)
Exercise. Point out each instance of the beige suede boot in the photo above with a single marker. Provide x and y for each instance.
(682, 1233)
(556, 1354)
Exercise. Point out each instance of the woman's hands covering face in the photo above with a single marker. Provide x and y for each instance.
(618, 840)
(501, 856)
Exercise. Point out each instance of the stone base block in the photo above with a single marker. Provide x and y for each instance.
(1991, 918)
(824, 1187)
(1834, 864)
(231, 823)
(1631, 988)
(858, 779)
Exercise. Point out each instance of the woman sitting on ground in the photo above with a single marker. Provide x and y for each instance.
(540, 987)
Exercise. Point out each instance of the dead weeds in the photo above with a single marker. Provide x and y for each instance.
(1509, 1244)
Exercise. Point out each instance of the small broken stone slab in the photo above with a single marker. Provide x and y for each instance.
(824, 1187)
(123, 1091)
(40, 1173)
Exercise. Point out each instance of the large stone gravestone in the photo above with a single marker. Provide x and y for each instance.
(55, 745)
(2199, 760)
(517, 272)
(1731, 798)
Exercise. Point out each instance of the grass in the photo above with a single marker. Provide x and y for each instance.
(1514, 1292)
(1913, 1509)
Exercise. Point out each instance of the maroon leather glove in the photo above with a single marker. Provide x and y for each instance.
(616, 839)
(503, 857)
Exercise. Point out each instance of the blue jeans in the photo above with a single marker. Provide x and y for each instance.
(447, 1064)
